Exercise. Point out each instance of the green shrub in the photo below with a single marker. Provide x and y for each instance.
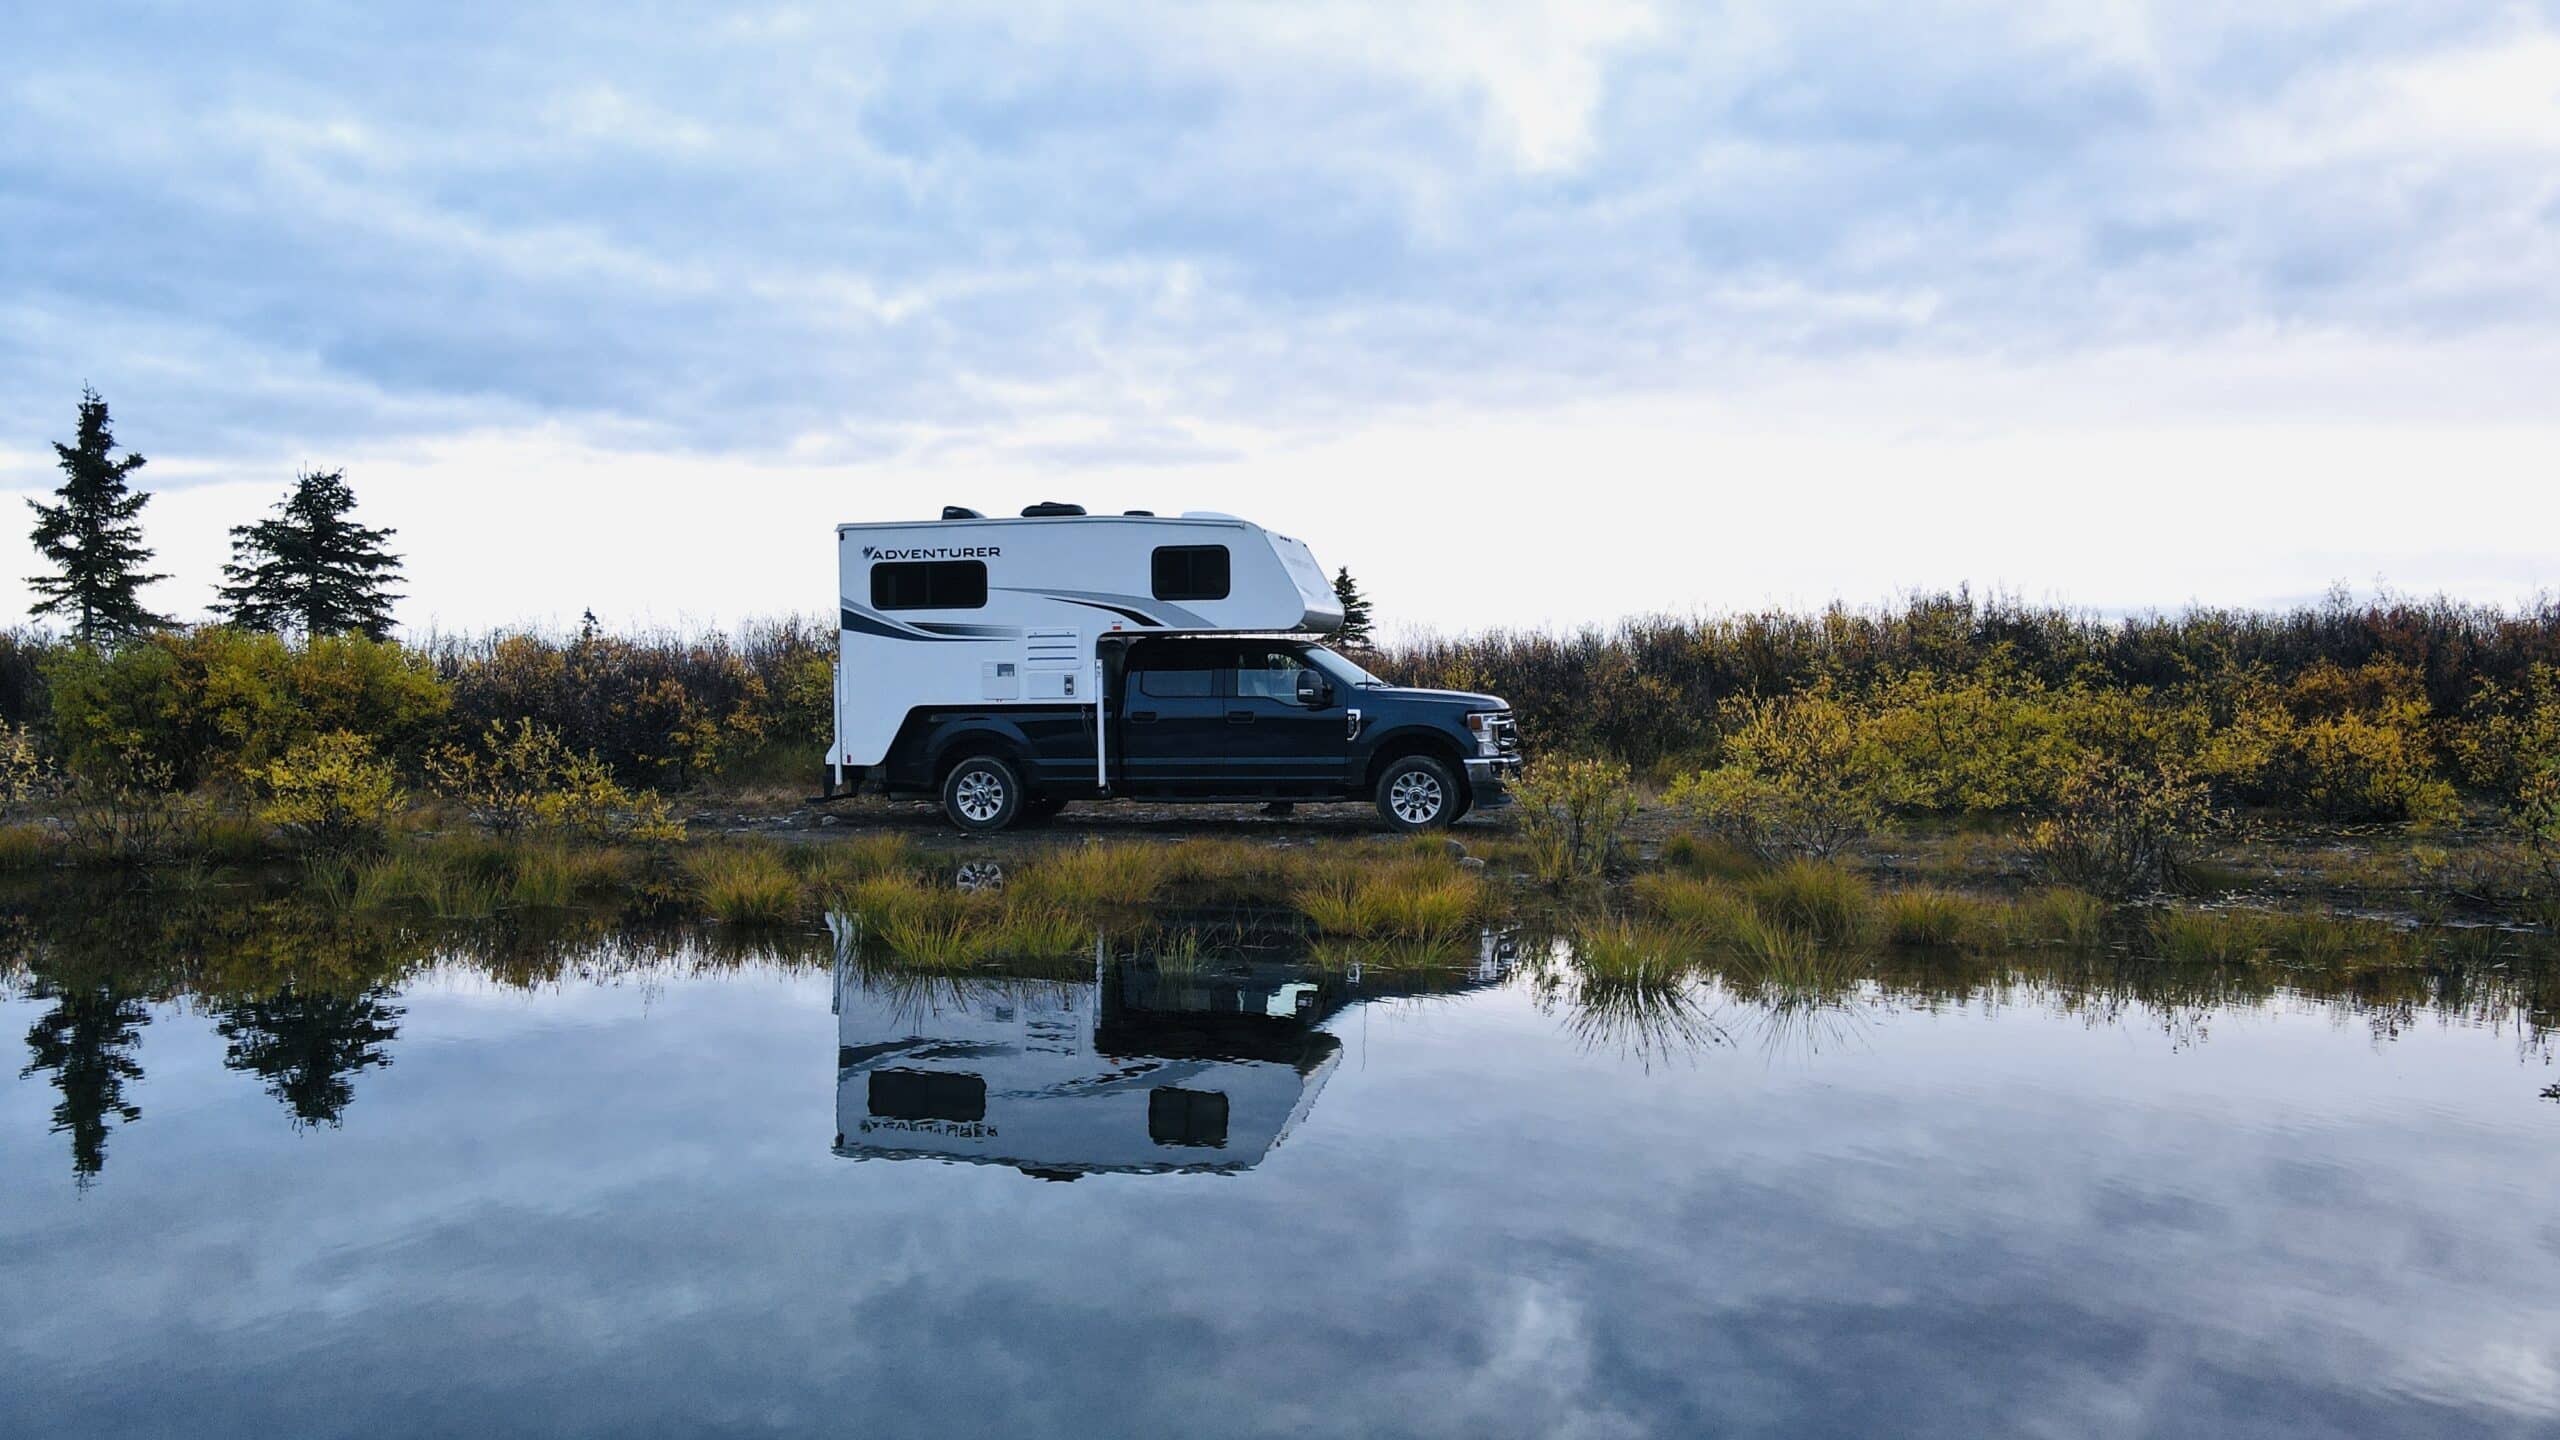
(184, 708)
(2120, 831)
(1796, 782)
(27, 778)
(1571, 811)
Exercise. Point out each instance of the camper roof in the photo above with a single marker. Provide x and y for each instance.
(1187, 517)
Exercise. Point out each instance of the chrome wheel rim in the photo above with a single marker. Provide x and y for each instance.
(979, 796)
(1416, 798)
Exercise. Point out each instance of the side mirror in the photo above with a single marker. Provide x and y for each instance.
(1314, 691)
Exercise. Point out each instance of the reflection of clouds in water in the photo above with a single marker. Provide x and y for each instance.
(616, 1216)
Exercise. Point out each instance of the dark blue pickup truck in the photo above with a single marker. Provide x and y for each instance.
(1222, 718)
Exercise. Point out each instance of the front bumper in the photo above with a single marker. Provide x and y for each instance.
(1485, 773)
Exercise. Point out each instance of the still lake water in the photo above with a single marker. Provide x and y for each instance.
(666, 1192)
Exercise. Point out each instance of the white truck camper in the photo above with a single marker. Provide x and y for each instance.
(1013, 665)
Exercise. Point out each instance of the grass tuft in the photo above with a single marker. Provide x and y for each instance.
(2211, 937)
(1928, 916)
(835, 867)
(1816, 897)
(25, 847)
(1708, 857)
(746, 884)
(1095, 875)
(2060, 915)
(1634, 952)
(1710, 910)
(1411, 894)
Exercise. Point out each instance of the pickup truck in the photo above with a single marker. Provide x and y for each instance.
(1214, 719)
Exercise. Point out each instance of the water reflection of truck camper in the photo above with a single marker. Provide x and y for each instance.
(1132, 1070)
(1059, 1078)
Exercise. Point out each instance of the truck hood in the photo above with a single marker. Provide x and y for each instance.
(1453, 699)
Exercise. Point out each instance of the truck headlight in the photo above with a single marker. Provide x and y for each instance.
(1481, 722)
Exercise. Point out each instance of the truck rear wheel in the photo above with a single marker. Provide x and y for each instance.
(1418, 793)
(981, 794)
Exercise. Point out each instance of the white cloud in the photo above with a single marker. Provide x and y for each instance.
(1048, 250)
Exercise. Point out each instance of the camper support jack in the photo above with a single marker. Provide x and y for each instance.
(1101, 735)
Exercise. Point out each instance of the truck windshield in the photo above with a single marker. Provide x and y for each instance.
(1341, 671)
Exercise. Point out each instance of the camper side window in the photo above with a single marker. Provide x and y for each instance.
(929, 585)
(1191, 572)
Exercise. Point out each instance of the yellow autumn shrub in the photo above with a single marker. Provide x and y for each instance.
(331, 792)
(525, 779)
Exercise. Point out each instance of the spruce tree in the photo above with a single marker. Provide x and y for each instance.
(1354, 633)
(92, 538)
(312, 568)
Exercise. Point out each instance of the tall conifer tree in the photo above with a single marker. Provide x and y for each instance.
(312, 568)
(92, 538)
(1356, 622)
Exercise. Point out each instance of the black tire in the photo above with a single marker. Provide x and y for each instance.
(982, 794)
(1419, 793)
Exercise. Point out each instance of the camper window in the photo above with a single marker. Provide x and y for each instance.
(929, 585)
(1191, 572)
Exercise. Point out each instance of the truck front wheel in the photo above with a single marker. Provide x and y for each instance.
(1418, 793)
(982, 793)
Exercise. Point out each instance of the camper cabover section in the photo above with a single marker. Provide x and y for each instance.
(972, 612)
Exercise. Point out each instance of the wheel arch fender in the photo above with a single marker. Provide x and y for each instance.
(1394, 745)
(956, 740)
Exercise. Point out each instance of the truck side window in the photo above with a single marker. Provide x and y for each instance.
(1191, 572)
(1268, 674)
(1181, 674)
(929, 585)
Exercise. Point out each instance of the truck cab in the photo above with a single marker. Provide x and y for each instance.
(1222, 718)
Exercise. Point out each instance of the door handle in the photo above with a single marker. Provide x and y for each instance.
(1239, 717)
(1141, 717)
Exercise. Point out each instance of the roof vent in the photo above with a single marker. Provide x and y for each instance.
(960, 512)
(1150, 514)
(1052, 507)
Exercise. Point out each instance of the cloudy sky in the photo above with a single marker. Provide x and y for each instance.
(1529, 313)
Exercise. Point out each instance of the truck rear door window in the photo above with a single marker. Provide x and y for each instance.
(1191, 572)
(929, 585)
(1181, 674)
